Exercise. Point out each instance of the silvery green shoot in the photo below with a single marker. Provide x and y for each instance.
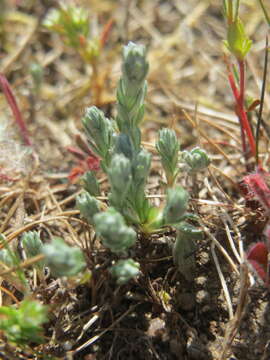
(184, 249)
(113, 231)
(88, 206)
(32, 245)
(63, 260)
(90, 183)
(124, 270)
(127, 165)
(196, 159)
(168, 148)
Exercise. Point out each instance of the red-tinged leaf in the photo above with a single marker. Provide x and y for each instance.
(259, 270)
(258, 188)
(93, 163)
(75, 173)
(82, 144)
(259, 254)
(106, 32)
(267, 235)
(253, 105)
(77, 152)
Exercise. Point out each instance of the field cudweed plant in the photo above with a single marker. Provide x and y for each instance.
(127, 164)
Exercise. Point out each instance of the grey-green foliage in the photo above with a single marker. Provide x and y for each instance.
(32, 245)
(168, 148)
(63, 260)
(88, 206)
(7, 258)
(127, 165)
(140, 169)
(90, 183)
(114, 233)
(100, 134)
(124, 270)
(184, 249)
(131, 92)
(119, 173)
(176, 205)
(197, 159)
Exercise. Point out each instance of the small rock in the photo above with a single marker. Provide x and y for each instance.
(202, 297)
(201, 280)
(204, 258)
(156, 327)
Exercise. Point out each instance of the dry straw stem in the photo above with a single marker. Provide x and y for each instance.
(234, 324)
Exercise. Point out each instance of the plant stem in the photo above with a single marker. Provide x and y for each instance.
(240, 108)
(6, 88)
(265, 12)
(242, 111)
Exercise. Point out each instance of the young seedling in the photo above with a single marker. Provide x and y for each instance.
(73, 24)
(22, 325)
(238, 44)
(127, 165)
(86, 159)
(63, 260)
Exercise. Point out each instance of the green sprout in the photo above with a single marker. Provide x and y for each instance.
(115, 234)
(124, 270)
(196, 159)
(62, 259)
(185, 248)
(168, 148)
(72, 23)
(22, 326)
(131, 92)
(238, 43)
(176, 205)
(127, 165)
(90, 183)
(88, 206)
(100, 134)
(33, 245)
(119, 174)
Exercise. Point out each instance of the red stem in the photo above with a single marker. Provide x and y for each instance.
(6, 88)
(240, 109)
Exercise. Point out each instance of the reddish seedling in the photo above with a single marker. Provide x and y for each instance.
(86, 160)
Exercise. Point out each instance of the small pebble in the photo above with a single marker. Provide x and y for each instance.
(201, 280)
(202, 297)
(204, 258)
